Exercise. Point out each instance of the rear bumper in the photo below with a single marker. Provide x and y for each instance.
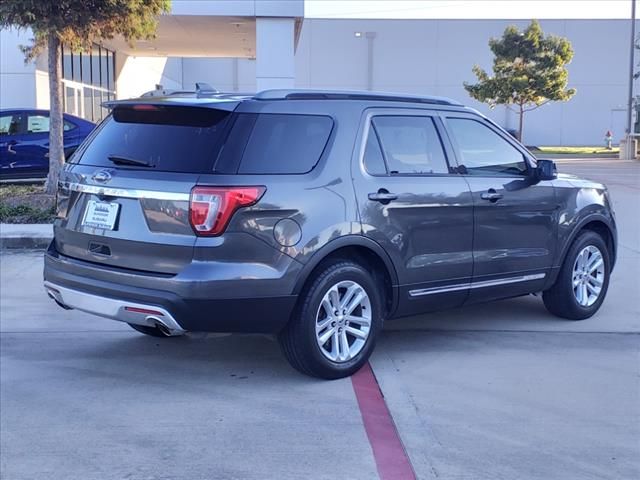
(94, 289)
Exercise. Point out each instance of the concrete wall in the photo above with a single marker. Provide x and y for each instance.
(225, 74)
(17, 80)
(436, 56)
(137, 75)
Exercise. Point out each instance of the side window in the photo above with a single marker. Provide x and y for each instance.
(11, 124)
(37, 124)
(373, 160)
(285, 144)
(483, 151)
(68, 126)
(411, 145)
(5, 124)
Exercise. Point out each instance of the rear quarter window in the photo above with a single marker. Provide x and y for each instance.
(285, 143)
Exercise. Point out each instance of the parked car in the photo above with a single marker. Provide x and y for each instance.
(317, 216)
(24, 142)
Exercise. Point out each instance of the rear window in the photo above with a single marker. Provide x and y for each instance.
(204, 140)
(171, 139)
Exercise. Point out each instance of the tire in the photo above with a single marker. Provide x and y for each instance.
(151, 331)
(310, 322)
(561, 299)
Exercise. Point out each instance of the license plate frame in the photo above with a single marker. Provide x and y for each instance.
(103, 215)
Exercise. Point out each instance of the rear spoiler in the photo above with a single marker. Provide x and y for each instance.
(219, 102)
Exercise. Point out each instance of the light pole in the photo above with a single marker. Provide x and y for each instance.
(630, 151)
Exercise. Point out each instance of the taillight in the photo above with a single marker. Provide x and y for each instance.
(211, 208)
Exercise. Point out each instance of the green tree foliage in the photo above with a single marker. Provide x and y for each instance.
(76, 24)
(529, 70)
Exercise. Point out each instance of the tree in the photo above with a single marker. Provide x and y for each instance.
(76, 24)
(529, 70)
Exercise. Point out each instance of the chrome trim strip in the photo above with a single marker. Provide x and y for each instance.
(110, 307)
(126, 192)
(481, 284)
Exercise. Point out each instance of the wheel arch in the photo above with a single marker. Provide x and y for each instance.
(365, 251)
(599, 224)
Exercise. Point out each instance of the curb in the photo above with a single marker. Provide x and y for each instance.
(37, 236)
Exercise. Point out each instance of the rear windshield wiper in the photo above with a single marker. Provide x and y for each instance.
(120, 160)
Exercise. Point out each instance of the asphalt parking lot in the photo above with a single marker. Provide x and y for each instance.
(499, 391)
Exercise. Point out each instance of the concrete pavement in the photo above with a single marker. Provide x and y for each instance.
(499, 391)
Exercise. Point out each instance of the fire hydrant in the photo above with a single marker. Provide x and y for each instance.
(608, 137)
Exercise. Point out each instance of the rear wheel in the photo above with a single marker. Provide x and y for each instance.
(333, 330)
(583, 279)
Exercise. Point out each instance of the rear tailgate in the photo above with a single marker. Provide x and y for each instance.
(124, 202)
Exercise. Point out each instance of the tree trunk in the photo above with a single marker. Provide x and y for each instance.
(56, 142)
(520, 122)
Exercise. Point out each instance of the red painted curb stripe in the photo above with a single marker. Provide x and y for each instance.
(391, 459)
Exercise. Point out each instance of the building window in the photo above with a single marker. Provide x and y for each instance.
(88, 80)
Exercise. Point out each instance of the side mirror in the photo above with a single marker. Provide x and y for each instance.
(546, 170)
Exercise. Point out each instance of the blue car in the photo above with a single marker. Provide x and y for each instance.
(24, 142)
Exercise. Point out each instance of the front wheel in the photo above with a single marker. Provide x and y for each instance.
(583, 279)
(333, 330)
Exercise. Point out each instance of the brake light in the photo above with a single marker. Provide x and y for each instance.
(211, 208)
(145, 107)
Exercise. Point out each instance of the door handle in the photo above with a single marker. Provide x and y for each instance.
(9, 145)
(383, 196)
(491, 195)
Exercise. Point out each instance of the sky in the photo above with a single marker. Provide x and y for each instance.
(473, 9)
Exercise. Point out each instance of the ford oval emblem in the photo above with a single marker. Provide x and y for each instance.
(102, 176)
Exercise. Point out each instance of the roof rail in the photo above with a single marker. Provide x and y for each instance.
(284, 94)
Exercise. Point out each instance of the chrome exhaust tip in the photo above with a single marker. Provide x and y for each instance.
(159, 324)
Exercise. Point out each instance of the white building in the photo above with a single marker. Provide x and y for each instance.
(250, 45)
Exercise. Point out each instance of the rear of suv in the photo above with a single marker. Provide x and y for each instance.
(316, 216)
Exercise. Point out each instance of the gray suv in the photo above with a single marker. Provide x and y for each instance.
(316, 216)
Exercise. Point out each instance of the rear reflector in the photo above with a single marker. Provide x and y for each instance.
(143, 310)
(211, 208)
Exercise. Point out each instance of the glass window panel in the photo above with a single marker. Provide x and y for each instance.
(75, 60)
(483, 151)
(172, 139)
(37, 124)
(88, 103)
(411, 145)
(95, 66)
(282, 143)
(66, 64)
(70, 100)
(86, 67)
(373, 161)
(98, 113)
(104, 70)
(12, 124)
(110, 82)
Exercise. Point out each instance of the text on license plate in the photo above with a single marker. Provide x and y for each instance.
(101, 214)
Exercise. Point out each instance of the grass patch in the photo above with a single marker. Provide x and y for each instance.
(582, 150)
(15, 190)
(26, 204)
(25, 214)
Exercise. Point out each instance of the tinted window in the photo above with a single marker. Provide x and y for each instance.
(37, 124)
(281, 143)
(411, 145)
(373, 160)
(11, 124)
(5, 124)
(172, 139)
(483, 151)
